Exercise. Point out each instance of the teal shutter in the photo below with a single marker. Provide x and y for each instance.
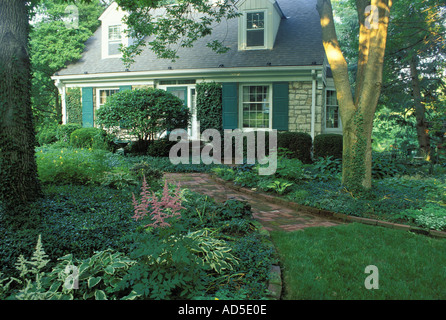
(280, 106)
(230, 105)
(87, 107)
(122, 88)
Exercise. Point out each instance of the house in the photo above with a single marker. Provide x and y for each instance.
(275, 75)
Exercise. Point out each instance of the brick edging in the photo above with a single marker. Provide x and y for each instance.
(274, 283)
(329, 214)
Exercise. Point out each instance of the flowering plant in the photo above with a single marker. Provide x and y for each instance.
(163, 209)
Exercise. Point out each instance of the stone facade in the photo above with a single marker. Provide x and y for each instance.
(300, 94)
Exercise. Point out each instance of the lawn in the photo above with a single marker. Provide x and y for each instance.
(329, 263)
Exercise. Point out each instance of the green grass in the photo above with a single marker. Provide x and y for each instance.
(329, 263)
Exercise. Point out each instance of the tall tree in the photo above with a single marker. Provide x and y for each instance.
(358, 109)
(413, 66)
(54, 43)
(415, 61)
(19, 183)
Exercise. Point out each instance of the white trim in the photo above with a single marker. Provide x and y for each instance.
(193, 129)
(313, 104)
(244, 37)
(98, 96)
(296, 73)
(108, 84)
(64, 105)
(331, 130)
(240, 105)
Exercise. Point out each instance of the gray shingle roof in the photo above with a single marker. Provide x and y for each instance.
(298, 43)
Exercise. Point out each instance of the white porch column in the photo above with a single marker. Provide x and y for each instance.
(62, 91)
(313, 103)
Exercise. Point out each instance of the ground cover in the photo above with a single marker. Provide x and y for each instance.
(87, 220)
(415, 198)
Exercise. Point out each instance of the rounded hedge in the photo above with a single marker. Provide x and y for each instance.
(328, 144)
(89, 138)
(145, 113)
(299, 143)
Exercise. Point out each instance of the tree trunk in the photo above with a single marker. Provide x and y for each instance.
(420, 111)
(357, 112)
(19, 182)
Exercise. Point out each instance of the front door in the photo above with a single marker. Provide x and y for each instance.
(187, 95)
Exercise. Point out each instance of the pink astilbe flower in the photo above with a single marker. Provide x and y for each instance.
(160, 209)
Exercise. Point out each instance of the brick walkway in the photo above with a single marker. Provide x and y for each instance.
(271, 216)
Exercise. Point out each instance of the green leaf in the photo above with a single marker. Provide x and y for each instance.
(100, 295)
(109, 270)
(93, 281)
(118, 265)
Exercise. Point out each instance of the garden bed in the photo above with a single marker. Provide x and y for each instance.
(86, 222)
(417, 200)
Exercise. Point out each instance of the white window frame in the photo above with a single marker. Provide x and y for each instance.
(245, 30)
(270, 103)
(113, 41)
(106, 40)
(339, 128)
(98, 95)
(191, 104)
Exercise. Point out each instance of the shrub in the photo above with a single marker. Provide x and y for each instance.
(325, 169)
(160, 148)
(250, 137)
(383, 166)
(89, 138)
(143, 169)
(290, 169)
(145, 113)
(298, 143)
(64, 131)
(328, 145)
(65, 166)
(46, 135)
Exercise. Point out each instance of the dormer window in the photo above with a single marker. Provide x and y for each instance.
(255, 29)
(258, 24)
(114, 39)
(113, 32)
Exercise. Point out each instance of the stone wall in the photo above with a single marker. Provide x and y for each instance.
(300, 94)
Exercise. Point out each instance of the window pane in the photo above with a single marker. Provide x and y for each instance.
(255, 24)
(114, 33)
(255, 107)
(332, 117)
(255, 20)
(255, 38)
(104, 94)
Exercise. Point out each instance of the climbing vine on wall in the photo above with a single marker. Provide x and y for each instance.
(74, 106)
(209, 106)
